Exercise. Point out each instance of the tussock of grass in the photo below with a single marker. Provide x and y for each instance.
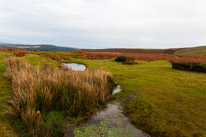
(37, 90)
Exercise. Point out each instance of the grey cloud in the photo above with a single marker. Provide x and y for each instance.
(104, 23)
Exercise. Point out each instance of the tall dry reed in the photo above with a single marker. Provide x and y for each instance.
(36, 90)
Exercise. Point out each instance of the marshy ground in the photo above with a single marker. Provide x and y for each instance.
(157, 99)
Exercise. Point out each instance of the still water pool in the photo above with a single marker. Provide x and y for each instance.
(76, 66)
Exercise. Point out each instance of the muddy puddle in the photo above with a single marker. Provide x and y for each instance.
(107, 122)
(75, 66)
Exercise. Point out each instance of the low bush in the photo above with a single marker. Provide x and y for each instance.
(190, 66)
(129, 62)
(36, 91)
(125, 60)
(120, 59)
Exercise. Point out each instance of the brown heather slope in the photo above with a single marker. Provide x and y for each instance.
(124, 50)
(141, 56)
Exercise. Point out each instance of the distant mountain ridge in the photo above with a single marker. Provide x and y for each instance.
(40, 47)
(199, 50)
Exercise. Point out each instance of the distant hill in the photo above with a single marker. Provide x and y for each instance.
(125, 50)
(201, 50)
(40, 47)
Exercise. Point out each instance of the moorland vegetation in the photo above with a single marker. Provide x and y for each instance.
(39, 93)
(158, 99)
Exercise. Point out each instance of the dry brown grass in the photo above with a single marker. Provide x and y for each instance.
(21, 53)
(141, 56)
(16, 52)
(51, 56)
(7, 49)
(55, 57)
(136, 56)
(36, 89)
(190, 58)
(124, 50)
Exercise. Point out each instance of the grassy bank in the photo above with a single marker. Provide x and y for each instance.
(158, 99)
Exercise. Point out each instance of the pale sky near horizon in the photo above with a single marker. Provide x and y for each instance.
(104, 23)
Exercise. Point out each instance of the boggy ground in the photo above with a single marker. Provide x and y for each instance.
(158, 99)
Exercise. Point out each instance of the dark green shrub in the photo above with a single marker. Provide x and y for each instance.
(121, 59)
(129, 58)
(190, 66)
(125, 60)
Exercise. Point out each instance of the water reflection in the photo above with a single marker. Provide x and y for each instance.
(76, 66)
(107, 122)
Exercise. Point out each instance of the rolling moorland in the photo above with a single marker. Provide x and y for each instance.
(193, 51)
(158, 99)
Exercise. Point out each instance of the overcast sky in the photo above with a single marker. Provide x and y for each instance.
(104, 23)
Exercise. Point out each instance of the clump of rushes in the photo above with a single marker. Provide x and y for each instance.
(39, 90)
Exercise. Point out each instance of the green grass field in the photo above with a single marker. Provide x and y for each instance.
(5, 127)
(158, 99)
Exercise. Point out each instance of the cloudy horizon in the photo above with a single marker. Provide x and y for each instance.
(104, 23)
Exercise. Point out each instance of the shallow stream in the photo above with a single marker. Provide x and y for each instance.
(109, 121)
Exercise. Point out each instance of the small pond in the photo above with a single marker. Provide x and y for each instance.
(76, 66)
